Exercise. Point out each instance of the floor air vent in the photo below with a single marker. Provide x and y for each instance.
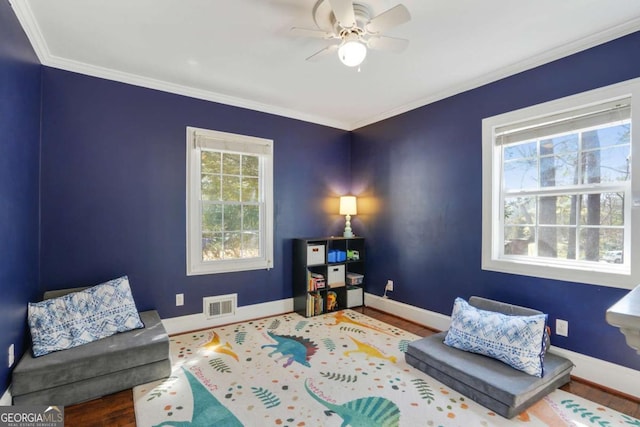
(220, 306)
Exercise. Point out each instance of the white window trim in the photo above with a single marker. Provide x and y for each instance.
(491, 209)
(195, 265)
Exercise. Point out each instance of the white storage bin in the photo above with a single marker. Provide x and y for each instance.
(335, 276)
(315, 254)
(355, 296)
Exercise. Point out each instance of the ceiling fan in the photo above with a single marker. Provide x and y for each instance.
(356, 31)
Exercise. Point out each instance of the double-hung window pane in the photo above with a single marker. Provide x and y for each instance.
(564, 184)
(230, 205)
(560, 197)
(230, 202)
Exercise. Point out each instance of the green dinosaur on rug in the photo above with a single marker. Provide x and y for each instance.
(296, 349)
(363, 412)
(207, 410)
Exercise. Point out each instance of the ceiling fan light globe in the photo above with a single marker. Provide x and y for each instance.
(352, 53)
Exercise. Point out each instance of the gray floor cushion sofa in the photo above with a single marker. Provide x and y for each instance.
(490, 382)
(95, 369)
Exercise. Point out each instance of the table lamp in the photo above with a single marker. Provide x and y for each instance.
(348, 208)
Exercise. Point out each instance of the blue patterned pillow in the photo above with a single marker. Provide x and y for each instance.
(82, 317)
(515, 340)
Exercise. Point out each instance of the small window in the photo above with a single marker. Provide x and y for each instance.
(229, 202)
(558, 189)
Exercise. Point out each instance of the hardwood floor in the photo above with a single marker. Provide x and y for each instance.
(116, 410)
(588, 391)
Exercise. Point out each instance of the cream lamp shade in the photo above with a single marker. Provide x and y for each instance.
(348, 207)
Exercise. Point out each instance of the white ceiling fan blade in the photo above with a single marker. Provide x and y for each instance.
(323, 53)
(395, 16)
(388, 43)
(306, 32)
(343, 11)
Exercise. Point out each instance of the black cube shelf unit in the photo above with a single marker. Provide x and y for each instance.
(328, 274)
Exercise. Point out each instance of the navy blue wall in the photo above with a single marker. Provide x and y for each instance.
(422, 174)
(113, 189)
(19, 164)
(113, 193)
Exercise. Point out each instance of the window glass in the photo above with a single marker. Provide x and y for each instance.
(557, 189)
(230, 216)
(565, 161)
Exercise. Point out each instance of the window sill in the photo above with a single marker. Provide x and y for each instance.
(228, 267)
(615, 279)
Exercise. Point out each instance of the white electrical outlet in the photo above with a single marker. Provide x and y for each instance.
(562, 328)
(179, 299)
(11, 355)
(389, 285)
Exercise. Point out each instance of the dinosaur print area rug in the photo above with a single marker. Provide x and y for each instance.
(338, 369)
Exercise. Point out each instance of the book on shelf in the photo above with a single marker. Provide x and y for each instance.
(310, 304)
(315, 281)
(315, 304)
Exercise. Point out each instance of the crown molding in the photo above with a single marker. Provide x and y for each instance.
(26, 18)
(559, 52)
(164, 86)
(30, 26)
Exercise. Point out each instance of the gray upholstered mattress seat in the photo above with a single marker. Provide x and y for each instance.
(92, 370)
(487, 381)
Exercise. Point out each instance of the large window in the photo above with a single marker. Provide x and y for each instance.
(558, 189)
(229, 202)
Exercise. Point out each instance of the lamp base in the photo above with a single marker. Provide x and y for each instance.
(347, 227)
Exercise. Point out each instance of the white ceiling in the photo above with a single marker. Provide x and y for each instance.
(240, 52)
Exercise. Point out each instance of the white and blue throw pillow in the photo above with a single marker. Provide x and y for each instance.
(82, 317)
(515, 340)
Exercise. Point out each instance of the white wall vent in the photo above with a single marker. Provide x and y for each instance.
(220, 306)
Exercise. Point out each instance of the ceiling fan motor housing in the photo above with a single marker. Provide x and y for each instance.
(352, 23)
(325, 19)
(362, 13)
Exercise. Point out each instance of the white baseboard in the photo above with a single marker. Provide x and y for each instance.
(597, 371)
(420, 316)
(192, 322)
(6, 399)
